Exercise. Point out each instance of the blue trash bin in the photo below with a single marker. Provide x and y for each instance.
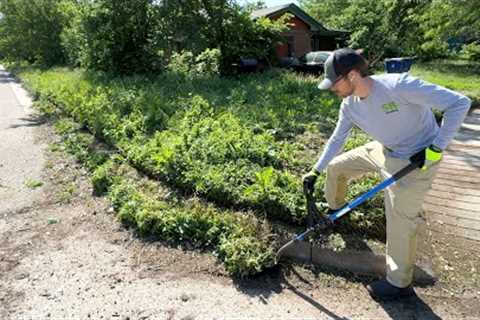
(398, 65)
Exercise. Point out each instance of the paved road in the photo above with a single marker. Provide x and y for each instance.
(21, 158)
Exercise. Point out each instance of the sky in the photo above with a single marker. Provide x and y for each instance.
(272, 3)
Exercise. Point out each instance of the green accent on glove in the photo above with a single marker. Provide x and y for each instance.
(432, 156)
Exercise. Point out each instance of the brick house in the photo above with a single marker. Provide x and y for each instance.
(305, 34)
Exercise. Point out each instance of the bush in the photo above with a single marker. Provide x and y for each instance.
(208, 62)
(235, 239)
(434, 49)
(185, 63)
(471, 51)
(217, 157)
(181, 63)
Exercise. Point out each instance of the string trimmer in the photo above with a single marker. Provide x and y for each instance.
(325, 221)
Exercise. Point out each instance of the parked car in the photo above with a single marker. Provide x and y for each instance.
(250, 65)
(312, 62)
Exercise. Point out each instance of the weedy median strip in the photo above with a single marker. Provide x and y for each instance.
(239, 159)
(242, 242)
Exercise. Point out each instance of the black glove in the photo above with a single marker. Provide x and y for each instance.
(309, 181)
(427, 157)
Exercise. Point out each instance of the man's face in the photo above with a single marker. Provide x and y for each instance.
(343, 87)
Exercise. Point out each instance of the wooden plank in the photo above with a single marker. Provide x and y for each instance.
(459, 147)
(456, 183)
(458, 167)
(455, 231)
(465, 138)
(465, 158)
(475, 207)
(459, 172)
(455, 221)
(455, 190)
(450, 196)
(472, 120)
(474, 111)
(468, 179)
(473, 165)
(468, 216)
(473, 127)
(458, 212)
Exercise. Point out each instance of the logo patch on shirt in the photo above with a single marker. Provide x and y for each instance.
(390, 107)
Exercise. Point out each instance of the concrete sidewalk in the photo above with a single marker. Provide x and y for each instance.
(21, 158)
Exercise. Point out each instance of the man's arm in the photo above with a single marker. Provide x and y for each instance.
(454, 105)
(336, 141)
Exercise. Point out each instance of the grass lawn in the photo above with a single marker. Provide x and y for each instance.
(458, 75)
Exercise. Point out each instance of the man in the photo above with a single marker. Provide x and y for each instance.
(396, 111)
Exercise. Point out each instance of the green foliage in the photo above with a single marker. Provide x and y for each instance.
(72, 36)
(329, 12)
(185, 63)
(239, 241)
(182, 63)
(217, 157)
(444, 20)
(244, 256)
(111, 35)
(33, 184)
(140, 36)
(105, 175)
(30, 30)
(233, 142)
(208, 62)
(434, 49)
(244, 38)
(471, 51)
(459, 75)
(381, 28)
(386, 28)
(235, 239)
(198, 25)
(277, 193)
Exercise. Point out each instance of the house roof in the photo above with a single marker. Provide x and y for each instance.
(299, 13)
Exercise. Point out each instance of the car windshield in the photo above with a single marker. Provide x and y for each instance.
(314, 57)
(323, 56)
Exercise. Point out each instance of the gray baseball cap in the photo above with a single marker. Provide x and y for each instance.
(338, 64)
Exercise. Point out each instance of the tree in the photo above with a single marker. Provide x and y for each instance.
(448, 21)
(118, 35)
(380, 27)
(328, 12)
(30, 30)
(196, 25)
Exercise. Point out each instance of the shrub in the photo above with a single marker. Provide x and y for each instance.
(471, 51)
(181, 63)
(434, 49)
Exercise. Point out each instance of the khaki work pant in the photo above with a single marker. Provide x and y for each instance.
(403, 202)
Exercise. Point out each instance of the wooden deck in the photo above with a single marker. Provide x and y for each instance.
(453, 203)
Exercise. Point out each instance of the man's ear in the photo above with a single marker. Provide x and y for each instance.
(352, 75)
